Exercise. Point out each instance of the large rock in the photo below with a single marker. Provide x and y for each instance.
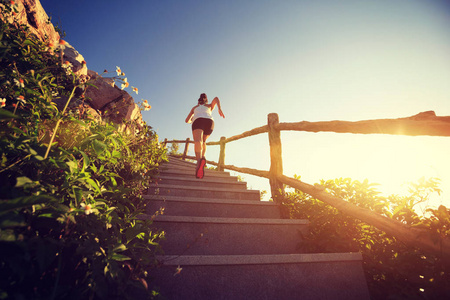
(31, 13)
(116, 104)
(76, 59)
(112, 102)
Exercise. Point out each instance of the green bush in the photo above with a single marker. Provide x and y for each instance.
(72, 215)
(393, 270)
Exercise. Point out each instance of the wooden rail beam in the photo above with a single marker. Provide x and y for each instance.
(425, 123)
(245, 134)
(179, 141)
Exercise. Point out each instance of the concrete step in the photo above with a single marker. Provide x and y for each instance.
(221, 208)
(188, 165)
(203, 192)
(230, 236)
(263, 277)
(188, 171)
(181, 162)
(212, 182)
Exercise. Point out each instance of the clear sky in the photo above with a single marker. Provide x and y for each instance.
(305, 60)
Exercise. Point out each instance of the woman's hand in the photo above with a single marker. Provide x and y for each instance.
(215, 102)
(221, 113)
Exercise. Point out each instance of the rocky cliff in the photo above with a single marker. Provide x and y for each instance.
(105, 100)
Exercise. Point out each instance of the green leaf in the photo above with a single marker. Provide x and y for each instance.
(94, 168)
(86, 160)
(116, 154)
(91, 84)
(7, 115)
(21, 181)
(7, 236)
(22, 202)
(119, 257)
(78, 194)
(72, 166)
(99, 147)
(38, 157)
(132, 232)
(93, 184)
(120, 248)
(12, 219)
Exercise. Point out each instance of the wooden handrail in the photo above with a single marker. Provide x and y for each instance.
(245, 134)
(176, 141)
(426, 123)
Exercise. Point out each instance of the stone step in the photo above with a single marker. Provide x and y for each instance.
(178, 161)
(229, 236)
(188, 174)
(181, 162)
(337, 276)
(203, 192)
(212, 182)
(188, 165)
(221, 208)
(187, 171)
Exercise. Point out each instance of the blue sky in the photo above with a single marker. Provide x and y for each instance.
(306, 60)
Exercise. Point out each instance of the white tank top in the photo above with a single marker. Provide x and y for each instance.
(202, 111)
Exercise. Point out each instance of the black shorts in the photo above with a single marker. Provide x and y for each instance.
(207, 125)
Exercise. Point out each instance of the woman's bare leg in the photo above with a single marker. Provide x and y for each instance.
(205, 137)
(198, 143)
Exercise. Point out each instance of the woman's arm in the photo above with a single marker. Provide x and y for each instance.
(213, 104)
(189, 117)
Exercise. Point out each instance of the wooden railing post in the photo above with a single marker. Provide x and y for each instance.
(186, 148)
(222, 153)
(276, 161)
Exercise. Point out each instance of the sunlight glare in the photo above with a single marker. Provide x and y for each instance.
(389, 160)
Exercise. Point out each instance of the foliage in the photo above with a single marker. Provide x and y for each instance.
(174, 149)
(393, 270)
(72, 218)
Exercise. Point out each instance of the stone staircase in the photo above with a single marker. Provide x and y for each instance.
(230, 245)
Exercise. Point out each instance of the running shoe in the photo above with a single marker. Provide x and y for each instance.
(201, 168)
(197, 167)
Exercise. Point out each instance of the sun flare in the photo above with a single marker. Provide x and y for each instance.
(389, 160)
